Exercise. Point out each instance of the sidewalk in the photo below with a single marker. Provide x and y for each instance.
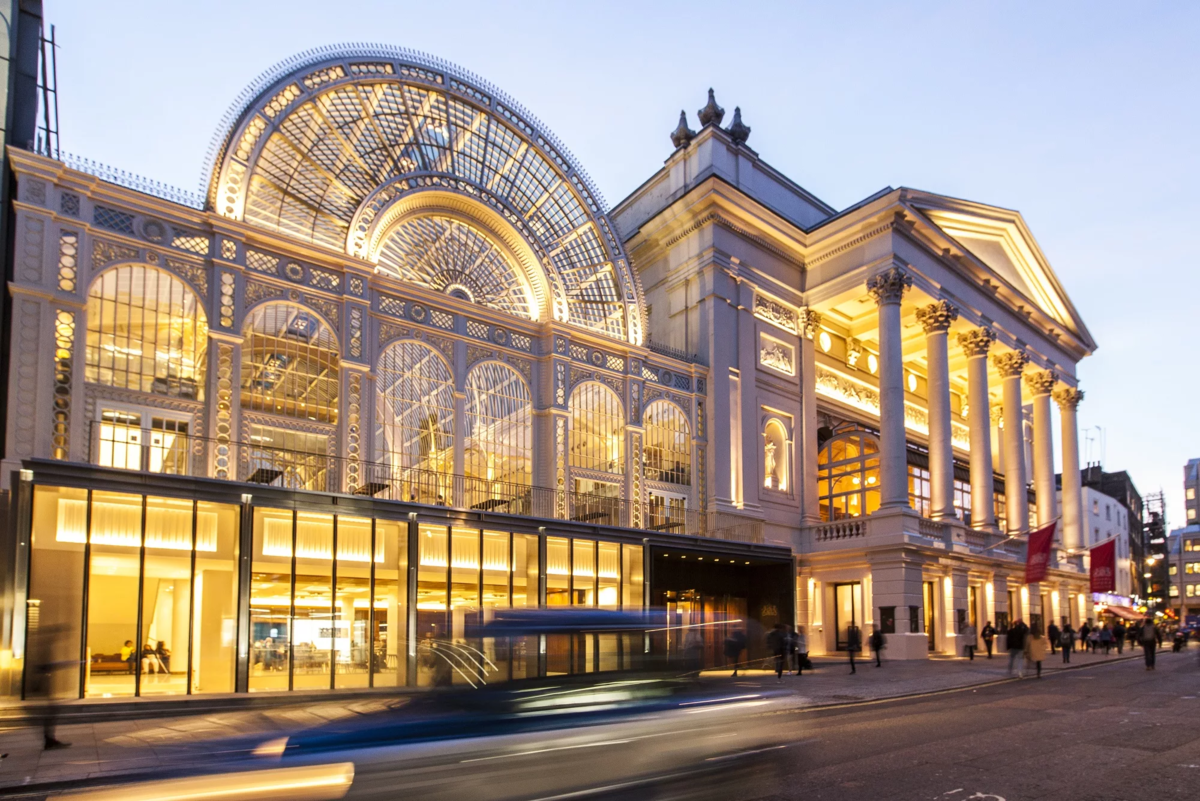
(114, 747)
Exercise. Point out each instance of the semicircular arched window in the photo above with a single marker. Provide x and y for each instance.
(290, 364)
(597, 429)
(848, 476)
(668, 451)
(146, 332)
(447, 255)
(498, 441)
(415, 412)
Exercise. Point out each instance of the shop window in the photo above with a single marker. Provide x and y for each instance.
(668, 443)
(848, 476)
(290, 364)
(498, 440)
(597, 429)
(415, 433)
(776, 456)
(146, 332)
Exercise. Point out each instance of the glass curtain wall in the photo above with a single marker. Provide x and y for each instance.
(415, 432)
(139, 593)
(498, 440)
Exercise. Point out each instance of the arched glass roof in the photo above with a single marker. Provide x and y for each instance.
(320, 146)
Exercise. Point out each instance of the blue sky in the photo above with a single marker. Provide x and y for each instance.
(1084, 116)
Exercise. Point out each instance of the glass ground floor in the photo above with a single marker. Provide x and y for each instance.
(134, 591)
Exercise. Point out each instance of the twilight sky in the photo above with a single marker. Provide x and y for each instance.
(1084, 116)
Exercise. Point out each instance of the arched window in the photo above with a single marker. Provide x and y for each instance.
(597, 429)
(668, 451)
(848, 476)
(290, 364)
(498, 440)
(776, 456)
(146, 332)
(416, 413)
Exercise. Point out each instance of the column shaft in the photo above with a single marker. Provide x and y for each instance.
(937, 318)
(1042, 383)
(1072, 493)
(975, 344)
(888, 289)
(1016, 499)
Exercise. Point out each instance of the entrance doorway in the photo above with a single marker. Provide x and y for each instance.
(930, 619)
(847, 604)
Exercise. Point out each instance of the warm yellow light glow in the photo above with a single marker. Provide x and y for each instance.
(912, 382)
(872, 363)
(826, 341)
(169, 527)
(306, 783)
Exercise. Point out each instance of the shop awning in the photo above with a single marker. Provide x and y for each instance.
(1123, 612)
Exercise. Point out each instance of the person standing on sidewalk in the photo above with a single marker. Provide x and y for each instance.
(735, 643)
(1149, 637)
(853, 643)
(988, 634)
(1035, 650)
(801, 649)
(777, 643)
(1016, 647)
(1119, 633)
(877, 644)
(1084, 631)
(1106, 639)
(1052, 636)
(1067, 640)
(969, 640)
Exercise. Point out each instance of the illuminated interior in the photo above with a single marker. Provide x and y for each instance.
(668, 450)
(597, 429)
(290, 364)
(415, 410)
(848, 476)
(498, 440)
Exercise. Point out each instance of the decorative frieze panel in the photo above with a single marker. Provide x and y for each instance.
(262, 262)
(194, 274)
(476, 354)
(776, 354)
(68, 204)
(258, 291)
(331, 310)
(390, 331)
(393, 306)
(113, 220)
(776, 314)
(229, 250)
(105, 253)
(683, 402)
(323, 279)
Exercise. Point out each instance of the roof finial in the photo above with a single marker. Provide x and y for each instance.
(738, 132)
(682, 134)
(711, 114)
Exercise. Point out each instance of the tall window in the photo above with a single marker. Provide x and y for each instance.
(416, 409)
(499, 437)
(668, 443)
(597, 429)
(919, 490)
(848, 476)
(290, 364)
(146, 332)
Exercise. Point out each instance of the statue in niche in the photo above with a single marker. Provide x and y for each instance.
(772, 479)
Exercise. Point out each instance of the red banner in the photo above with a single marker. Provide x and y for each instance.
(1104, 567)
(1037, 558)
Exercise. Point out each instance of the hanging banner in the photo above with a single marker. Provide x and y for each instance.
(1037, 558)
(1104, 567)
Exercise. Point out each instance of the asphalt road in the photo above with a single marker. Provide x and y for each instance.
(1110, 732)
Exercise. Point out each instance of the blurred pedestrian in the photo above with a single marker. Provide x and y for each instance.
(1177, 641)
(1150, 639)
(802, 650)
(792, 648)
(1016, 647)
(988, 634)
(1035, 650)
(1052, 636)
(777, 645)
(969, 641)
(45, 684)
(1084, 631)
(1105, 638)
(853, 644)
(1119, 633)
(1094, 640)
(1066, 639)
(735, 643)
(877, 643)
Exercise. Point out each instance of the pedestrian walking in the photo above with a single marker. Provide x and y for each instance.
(1119, 633)
(1066, 639)
(1094, 640)
(1150, 640)
(1105, 638)
(1177, 641)
(1035, 650)
(853, 644)
(777, 645)
(1016, 647)
(802, 650)
(969, 641)
(1084, 631)
(877, 644)
(988, 634)
(735, 643)
(1053, 635)
(793, 651)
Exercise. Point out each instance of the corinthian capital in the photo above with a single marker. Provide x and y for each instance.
(1068, 398)
(1041, 382)
(1010, 364)
(889, 285)
(977, 341)
(810, 321)
(937, 316)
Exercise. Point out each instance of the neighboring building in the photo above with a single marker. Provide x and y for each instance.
(1191, 480)
(1108, 519)
(398, 369)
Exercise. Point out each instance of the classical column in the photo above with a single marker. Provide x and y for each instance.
(975, 345)
(936, 318)
(810, 510)
(1068, 399)
(1041, 384)
(1016, 500)
(888, 289)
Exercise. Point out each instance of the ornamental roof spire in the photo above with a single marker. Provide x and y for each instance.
(738, 132)
(711, 114)
(682, 134)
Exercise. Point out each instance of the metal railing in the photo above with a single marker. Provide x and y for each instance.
(130, 446)
(674, 353)
(133, 181)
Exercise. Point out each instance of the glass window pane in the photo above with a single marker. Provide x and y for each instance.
(415, 433)
(290, 364)
(215, 597)
(353, 641)
(313, 629)
(609, 558)
(271, 600)
(464, 604)
(113, 648)
(433, 665)
(498, 438)
(668, 451)
(584, 573)
(524, 650)
(54, 620)
(597, 440)
(558, 572)
(391, 604)
(632, 577)
(166, 596)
